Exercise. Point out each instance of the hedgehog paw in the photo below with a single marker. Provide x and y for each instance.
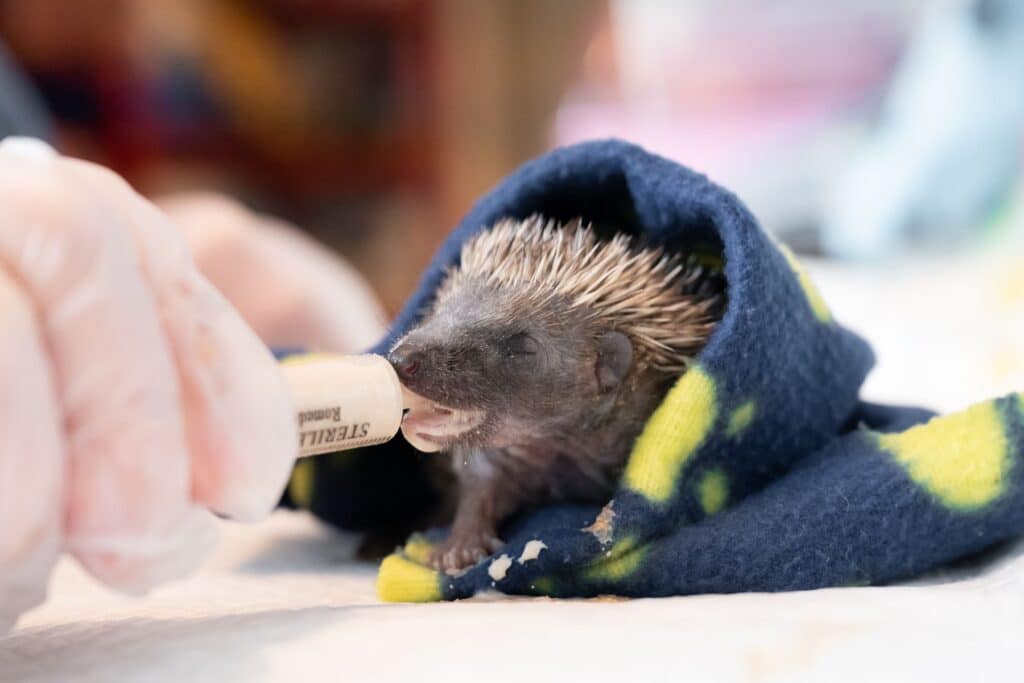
(461, 551)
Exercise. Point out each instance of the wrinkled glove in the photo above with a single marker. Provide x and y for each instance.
(134, 400)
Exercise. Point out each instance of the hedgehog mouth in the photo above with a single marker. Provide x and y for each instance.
(436, 423)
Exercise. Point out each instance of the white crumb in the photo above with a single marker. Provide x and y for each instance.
(499, 567)
(531, 550)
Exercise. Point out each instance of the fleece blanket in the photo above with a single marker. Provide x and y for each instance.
(761, 470)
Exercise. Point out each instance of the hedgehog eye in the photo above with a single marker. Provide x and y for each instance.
(521, 344)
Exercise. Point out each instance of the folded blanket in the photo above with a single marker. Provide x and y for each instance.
(761, 470)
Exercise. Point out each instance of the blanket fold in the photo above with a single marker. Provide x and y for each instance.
(761, 470)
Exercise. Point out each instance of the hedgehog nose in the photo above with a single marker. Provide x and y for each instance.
(405, 363)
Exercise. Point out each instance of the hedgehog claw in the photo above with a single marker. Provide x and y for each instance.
(461, 551)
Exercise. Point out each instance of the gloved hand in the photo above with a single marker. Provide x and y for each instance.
(134, 400)
(291, 290)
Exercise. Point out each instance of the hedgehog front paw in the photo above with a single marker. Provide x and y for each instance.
(462, 550)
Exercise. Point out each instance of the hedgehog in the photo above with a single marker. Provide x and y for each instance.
(542, 355)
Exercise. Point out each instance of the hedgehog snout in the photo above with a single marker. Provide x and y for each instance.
(406, 362)
(419, 363)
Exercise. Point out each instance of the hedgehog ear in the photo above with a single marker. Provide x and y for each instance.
(614, 357)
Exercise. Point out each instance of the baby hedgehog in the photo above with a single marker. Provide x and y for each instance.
(544, 353)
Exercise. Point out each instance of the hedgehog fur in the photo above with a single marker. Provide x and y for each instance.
(665, 303)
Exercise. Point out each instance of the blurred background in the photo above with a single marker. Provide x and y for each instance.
(881, 138)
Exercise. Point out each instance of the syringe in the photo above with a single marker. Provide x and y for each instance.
(344, 402)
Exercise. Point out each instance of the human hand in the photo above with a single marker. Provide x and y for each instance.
(290, 289)
(134, 400)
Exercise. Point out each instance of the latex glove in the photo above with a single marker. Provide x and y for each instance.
(133, 397)
(290, 289)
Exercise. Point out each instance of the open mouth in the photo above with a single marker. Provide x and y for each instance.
(434, 423)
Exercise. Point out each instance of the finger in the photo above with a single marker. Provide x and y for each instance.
(129, 518)
(314, 299)
(241, 428)
(337, 310)
(31, 458)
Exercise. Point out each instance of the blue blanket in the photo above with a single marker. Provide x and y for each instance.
(761, 470)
